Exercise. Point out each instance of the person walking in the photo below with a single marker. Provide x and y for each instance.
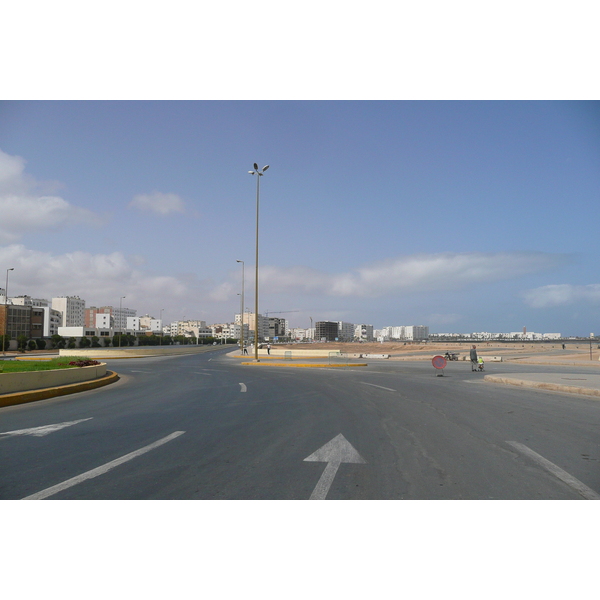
(473, 357)
(268, 348)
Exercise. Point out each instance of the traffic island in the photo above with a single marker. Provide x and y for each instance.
(22, 397)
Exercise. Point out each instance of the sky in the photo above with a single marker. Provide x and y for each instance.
(428, 164)
(461, 215)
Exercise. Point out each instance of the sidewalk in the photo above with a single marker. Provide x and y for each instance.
(588, 385)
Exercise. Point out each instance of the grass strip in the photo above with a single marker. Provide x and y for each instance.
(18, 366)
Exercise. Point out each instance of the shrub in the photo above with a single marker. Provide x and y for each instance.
(22, 343)
(84, 363)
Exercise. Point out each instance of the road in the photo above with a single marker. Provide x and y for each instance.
(205, 427)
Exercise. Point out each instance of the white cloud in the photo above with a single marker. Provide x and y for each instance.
(222, 292)
(159, 203)
(562, 294)
(23, 210)
(419, 273)
(97, 278)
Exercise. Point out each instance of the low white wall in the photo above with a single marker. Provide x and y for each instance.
(37, 380)
(139, 351)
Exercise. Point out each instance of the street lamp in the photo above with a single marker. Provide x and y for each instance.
(5, 313)
(121, 319)
(242, 305)
(259, 174)
(161, 326)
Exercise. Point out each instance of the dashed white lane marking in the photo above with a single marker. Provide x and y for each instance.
(378, 386)
(571, 481)
(243, 387)
(101, 470)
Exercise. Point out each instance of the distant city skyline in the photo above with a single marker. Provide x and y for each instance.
(464, 216)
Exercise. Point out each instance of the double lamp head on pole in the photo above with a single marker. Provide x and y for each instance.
(258, 172)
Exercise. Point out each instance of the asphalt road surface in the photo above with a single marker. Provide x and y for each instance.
(205, 427)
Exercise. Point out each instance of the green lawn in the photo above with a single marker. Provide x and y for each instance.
(20, 366)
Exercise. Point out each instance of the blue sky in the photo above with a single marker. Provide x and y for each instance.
(461, 215)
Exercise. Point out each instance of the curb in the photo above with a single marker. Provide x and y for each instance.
(63, 390)
(303, 365)
(556, 387)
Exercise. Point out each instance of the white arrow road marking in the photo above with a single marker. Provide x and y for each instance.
(101, 470)
(44, 430)
(243, 387)
(334, 452)
(378, 386)
(571, 481)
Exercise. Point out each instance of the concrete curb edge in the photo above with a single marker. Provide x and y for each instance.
(63, 390)
(556, 387)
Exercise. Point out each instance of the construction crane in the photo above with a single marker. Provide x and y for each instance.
(278, 312)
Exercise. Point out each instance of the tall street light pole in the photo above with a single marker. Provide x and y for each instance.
(121, 318)
(161, 325)
(5, 312)
(242, 305)
(258, 174)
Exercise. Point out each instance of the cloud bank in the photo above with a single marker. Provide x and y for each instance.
(565, 294)
(24, 211)
(97, 278)
(418, 273)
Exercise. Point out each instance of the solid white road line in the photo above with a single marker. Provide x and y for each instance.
(571, 481)
(44, 430)
(378, 386)
(243, 387)
(101, 470)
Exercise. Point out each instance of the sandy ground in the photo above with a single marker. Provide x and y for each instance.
(550, 353)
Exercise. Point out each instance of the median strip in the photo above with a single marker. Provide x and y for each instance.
(63, 390)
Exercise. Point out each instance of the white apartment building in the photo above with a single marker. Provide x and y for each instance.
(263, 325)
(52, 321)
(121, 315)
(363, 333)
(229, 331)
(188, 328)
(104, 321)
(29, 301)
(416, 332)
(149, 323)
(201, 331)
(133, 323)
(299, 334)
(86, 331)
(345, 331)
(72, 309)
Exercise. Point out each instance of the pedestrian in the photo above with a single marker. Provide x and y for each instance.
(268, 348)
(245, 349)
(473, 356)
